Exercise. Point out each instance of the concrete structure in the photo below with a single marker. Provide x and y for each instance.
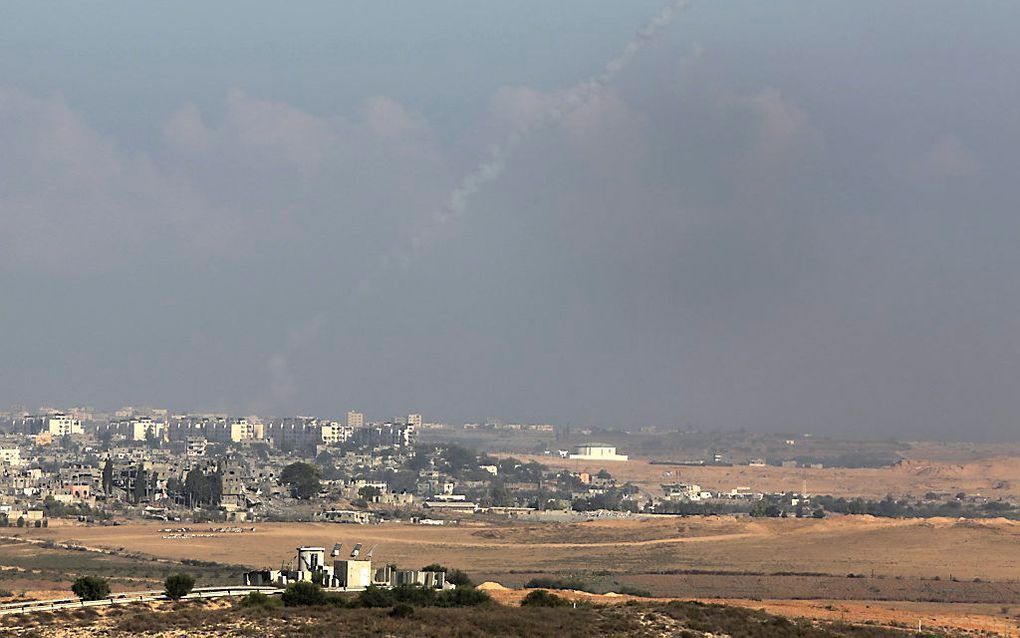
(597, 452)
(306, 432)
(451, 506)
(10, 456)
(354, 573)
(136, 429)
(356, 517)
(355, 419)
(58, 425)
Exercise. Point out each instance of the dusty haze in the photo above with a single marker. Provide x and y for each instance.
(779, 216)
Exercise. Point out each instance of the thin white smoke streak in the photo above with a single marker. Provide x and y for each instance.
(563, 103)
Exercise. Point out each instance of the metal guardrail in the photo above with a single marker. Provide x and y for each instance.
(122, 598)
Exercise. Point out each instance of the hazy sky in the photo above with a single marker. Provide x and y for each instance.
(796, 216)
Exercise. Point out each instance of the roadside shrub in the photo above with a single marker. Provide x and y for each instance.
(376, 597)
(178, 585)
(402, 611)
(339, 601)
(633, 591)
(304, 594)
(90, 587)
(419, 596)
(413, 595)
(542, 598)
(544, 582)
(258, 599)
(462, 597)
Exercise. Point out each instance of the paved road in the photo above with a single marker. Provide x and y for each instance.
(127, 597)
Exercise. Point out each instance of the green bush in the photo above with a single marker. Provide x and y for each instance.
(178, 585)
(258, 599)
(303, 594)
(633, 591)
(376, 597)
(456, 577)
(544, 582)
(90, 587)
(542, 598)
(402, 610)
(419, 596)
(462, 597)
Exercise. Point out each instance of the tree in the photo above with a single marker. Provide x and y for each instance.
(138, 487)
(459, 578)
(303, 479)
(369, 492)
(303, 594)
(178, 585)
(203, 489)
(500, 496)
(456, 577)
(108, 475)
(90, 588)
(151, 439)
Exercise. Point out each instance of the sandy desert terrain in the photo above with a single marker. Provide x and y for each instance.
(987, 549)
(993, 477)
(949, 573)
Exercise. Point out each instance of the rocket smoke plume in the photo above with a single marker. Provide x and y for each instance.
(561, 104)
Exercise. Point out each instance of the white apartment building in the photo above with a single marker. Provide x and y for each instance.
(237, 430)
(10, 456)
(137, 429)
(62, 425)
(415, 420)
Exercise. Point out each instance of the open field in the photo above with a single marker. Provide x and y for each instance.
(45, 571)
(945, 568)
(992, 477)
(988, 549)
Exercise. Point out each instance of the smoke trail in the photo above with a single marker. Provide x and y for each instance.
(563, 103)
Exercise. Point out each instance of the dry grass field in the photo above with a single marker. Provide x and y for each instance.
(987, 549)
(950, 573)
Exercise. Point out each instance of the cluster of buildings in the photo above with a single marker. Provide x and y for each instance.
(342, 573)
(162, 462)
(155, 464)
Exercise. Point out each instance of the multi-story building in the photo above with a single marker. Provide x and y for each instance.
(10, 456)
(386, 435)
(59, 424)
(136, 428)
(302, 432)
(355, 419)
(220, 429)
(415, 420)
